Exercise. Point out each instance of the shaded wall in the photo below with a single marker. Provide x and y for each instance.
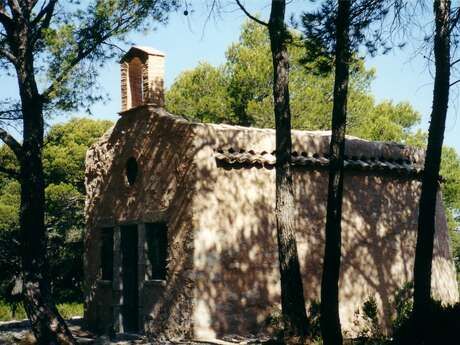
(163, 148)
(222, 270)
(237, 278)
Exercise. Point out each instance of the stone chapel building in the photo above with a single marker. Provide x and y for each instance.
(181, 238)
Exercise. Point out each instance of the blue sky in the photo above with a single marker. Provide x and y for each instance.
(186, 40)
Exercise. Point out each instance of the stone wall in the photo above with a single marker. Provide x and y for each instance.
(236, 263)
(162, 145)
(222, 271)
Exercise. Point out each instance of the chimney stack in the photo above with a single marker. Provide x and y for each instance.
(142, 78)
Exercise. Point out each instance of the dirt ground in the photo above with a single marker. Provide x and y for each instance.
(18, 332)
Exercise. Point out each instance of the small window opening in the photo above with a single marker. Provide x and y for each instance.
(107, 253)
(131, 170)
(157, 250)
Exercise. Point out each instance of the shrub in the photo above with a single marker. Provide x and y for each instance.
(314, 318)
(444, 326)
(366, 318)
(275, 322)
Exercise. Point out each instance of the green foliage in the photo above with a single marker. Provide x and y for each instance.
(240, 92)
(71, 49)
(65, 225)
(387, 122)
(366, 318)
(444, 325)
(314, 319)
(249, 73)
(10, 283)
(7, 313)
(370, 309)
(445, 320)
(275, 322)
(450, 171)
(366, 27)
(65, 150)
(67, 310)
(71, 41)
(7, 161)
(63, 160)
(403, 304)
(201, 95)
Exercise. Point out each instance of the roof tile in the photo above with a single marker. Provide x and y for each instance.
(403, 167)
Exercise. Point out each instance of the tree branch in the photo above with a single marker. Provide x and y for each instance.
(8, 55)
(455, 82)
(249, 15)
(81, 55)
(90, 39)
(454, 62)
(61, 77)
(15, 8)
(12, 143)
(455, 19)
(5, 19)
(46, 13)
(11, 114)
(113, 45)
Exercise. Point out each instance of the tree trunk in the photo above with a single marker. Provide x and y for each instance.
(47, 325)
(427, 207)
(330, 320)
(292, 298)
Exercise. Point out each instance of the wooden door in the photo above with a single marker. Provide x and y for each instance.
(129, 253)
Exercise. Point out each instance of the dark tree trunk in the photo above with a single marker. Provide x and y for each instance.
(427, 207)
(47, 325)
(330, 320)
(292, 298)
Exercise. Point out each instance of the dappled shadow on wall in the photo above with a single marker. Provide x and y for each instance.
(236, 263)
(223, 273)
(132, 173)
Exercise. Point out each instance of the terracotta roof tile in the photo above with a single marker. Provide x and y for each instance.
(402, 167)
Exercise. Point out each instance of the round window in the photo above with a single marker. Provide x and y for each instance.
(131, 170)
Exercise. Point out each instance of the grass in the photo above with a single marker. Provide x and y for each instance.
(67, 310)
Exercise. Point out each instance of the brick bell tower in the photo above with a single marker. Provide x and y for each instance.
(142, 78)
